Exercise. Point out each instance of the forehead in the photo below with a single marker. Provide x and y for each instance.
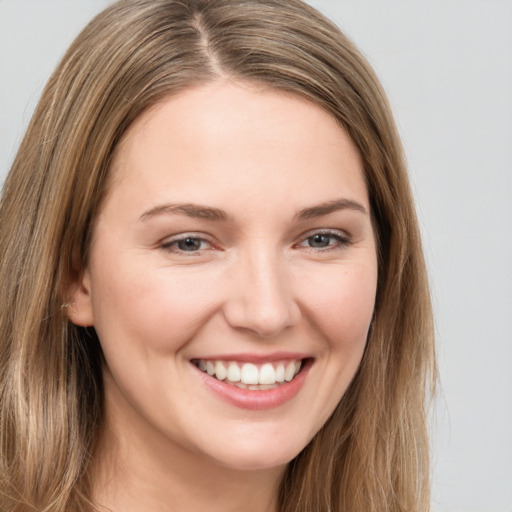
(242, 138)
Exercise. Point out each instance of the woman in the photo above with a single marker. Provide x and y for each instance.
(213, 290)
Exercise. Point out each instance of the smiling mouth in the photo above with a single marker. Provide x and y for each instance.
(255, 377)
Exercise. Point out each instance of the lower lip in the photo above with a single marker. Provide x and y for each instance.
(257, 400)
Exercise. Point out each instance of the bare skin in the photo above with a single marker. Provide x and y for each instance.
(129, 481)
(236, 231)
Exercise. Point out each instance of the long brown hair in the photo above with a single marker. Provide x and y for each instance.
(372, 455)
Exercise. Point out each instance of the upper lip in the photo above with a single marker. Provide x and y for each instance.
(255, 358)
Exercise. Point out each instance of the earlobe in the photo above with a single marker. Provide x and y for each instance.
(79, 306)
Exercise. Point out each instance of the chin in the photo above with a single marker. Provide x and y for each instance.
(256, 461)
(255, 454)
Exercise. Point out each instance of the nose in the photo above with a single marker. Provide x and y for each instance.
(261, 296)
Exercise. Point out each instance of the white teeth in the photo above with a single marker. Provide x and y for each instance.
(262, 387)
(210, 368)
(289, 372)
(220, 370)
(249, 374)
(267, 374)
(233, 373)
(253, 387)
(280, 373)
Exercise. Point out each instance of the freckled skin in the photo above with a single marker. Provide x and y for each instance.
(257, 284)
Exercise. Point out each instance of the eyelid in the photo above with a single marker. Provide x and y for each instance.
(343, 237)
(168, 243)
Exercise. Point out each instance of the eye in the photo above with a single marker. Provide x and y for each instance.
(187, 244)
(325, 240)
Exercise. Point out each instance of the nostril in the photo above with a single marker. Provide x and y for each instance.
(264, 322)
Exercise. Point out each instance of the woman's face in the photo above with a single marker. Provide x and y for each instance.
(235, 244)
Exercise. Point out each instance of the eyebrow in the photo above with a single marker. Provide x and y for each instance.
(195, 211)
(330, 207)
(216, 214)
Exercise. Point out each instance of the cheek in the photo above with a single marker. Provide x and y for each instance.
(342, 305)
(156, 309)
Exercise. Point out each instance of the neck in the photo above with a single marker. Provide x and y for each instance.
(137, 469)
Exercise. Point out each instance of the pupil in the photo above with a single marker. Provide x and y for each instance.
(189, 244)
(320, 241)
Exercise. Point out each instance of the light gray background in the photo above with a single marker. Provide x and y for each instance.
(447, 67)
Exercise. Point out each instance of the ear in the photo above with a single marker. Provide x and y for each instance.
(79, 309)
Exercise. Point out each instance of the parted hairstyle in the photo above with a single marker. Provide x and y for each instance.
(372, 454)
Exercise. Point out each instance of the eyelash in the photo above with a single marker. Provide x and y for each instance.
(341, 240)
(173, 244)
